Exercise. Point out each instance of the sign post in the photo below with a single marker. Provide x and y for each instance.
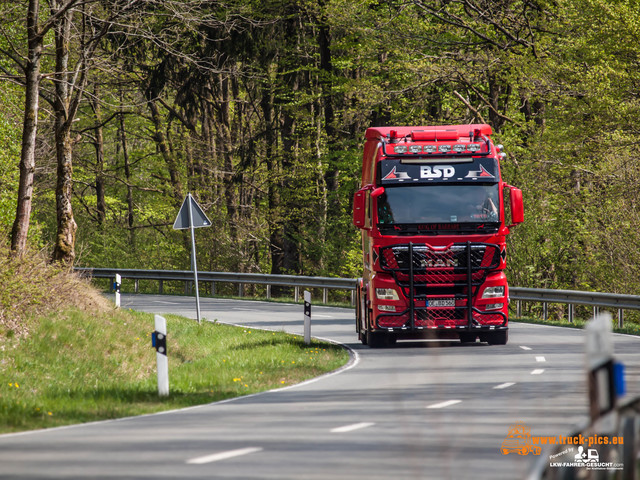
(605, 375)
(192, 216)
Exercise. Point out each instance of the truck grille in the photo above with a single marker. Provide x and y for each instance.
(425, 272)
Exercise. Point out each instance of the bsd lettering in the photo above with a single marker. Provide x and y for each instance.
(440, 171)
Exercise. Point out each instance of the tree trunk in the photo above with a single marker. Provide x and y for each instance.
(163, 146)
(127, 174)
(30, 129)
(101, 204)
(64, 248)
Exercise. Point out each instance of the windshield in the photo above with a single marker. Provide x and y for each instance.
(438, 204)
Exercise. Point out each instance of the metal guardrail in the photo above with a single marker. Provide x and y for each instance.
(572, 298)
(295, 281)
(518, 294)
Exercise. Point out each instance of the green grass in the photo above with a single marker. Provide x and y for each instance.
(76, 367)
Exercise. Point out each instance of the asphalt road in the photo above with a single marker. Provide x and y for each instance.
(418, 410)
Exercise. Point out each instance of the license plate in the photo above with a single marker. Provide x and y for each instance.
(441, 302)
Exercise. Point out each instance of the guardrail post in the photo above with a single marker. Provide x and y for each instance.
(268, 292)
(571, 312)
(213, 289)
(353, 298)
(296, 294)
(241, 290)
(545, 311)
(160, 287)
(519, 308)
(620, 318)
(325, 295)
(136, 286)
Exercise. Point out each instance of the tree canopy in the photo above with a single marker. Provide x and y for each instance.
(259, 109)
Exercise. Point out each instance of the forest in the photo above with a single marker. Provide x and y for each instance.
(114, 110)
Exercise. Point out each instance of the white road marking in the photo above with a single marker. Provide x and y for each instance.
(352, 427)
(541, 359)
(537, 371)
(525, 348)
(216, 457)
(504, 385)
(448, 403)
(315, 315)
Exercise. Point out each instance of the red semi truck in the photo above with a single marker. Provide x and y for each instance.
(431, 209)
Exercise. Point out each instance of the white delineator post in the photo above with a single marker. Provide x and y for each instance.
(116, 287)
(307, 317)
(160, 342)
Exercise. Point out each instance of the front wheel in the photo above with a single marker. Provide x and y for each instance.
(377, 339)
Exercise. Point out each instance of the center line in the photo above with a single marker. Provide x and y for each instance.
(525, 348)
(504, 385)
(541, 359)
(216, 457)
(537, 371)
(448, 403)
(351, 428)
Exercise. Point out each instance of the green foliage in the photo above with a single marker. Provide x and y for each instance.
(259, 109)
(10, 128)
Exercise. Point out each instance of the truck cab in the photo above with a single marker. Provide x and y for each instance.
(432, 211)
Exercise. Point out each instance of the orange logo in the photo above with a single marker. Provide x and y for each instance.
(519, 441)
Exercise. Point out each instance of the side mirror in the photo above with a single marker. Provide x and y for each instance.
(360, 206)
(517, 206)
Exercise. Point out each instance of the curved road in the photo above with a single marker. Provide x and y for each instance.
(418, 410)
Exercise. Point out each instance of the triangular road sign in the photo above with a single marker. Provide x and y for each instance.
(197, 214)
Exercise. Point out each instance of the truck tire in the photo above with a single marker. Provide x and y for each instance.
(501, 337)
(468, 337)
(376, 339)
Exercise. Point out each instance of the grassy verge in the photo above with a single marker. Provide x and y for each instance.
(76, 367)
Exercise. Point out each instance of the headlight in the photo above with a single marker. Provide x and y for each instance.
(493, 292)
(386, 294)
(387, 308)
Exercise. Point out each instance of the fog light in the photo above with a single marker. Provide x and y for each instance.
(494, 306)
(386, 308)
